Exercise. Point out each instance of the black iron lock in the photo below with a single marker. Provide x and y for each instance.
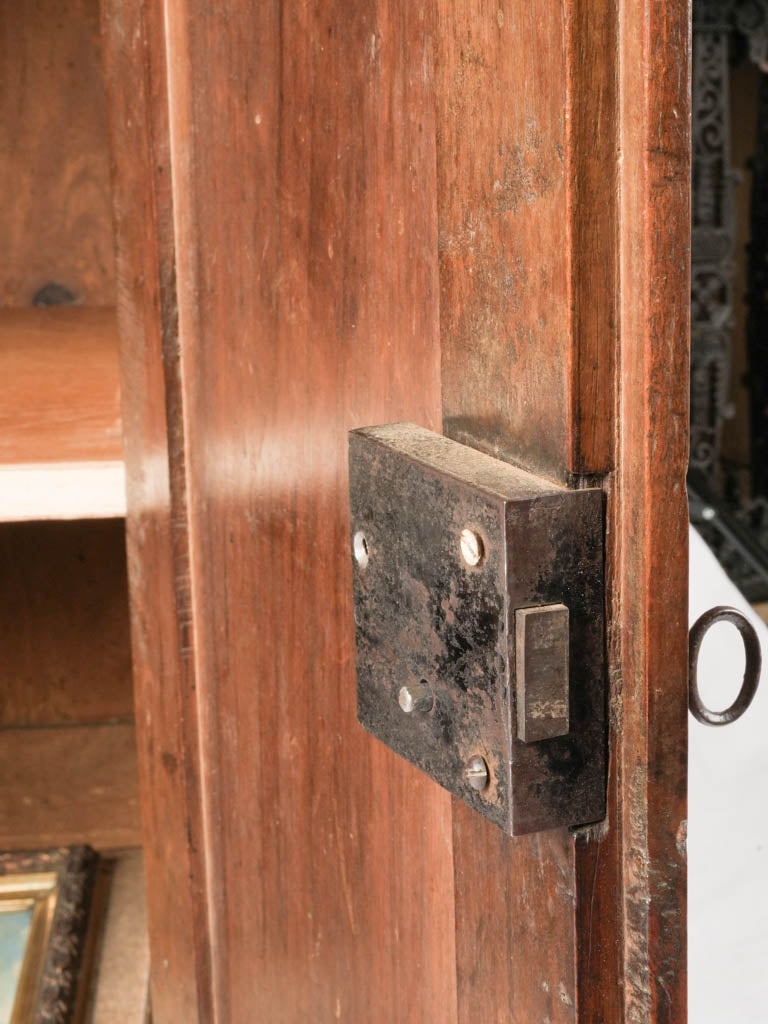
(479, 623)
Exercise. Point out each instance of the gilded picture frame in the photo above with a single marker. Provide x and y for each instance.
(45, 900)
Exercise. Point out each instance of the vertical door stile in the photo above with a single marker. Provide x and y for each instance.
(563, 183)
(374, 212)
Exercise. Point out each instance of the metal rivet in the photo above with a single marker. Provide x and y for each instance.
(416, 697)
(471, 547)
(360, 548)
(708, 513)
(477, 772)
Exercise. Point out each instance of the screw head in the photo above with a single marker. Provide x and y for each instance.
(360, 549)
(477, 772)
(471, 545)
(415, 697)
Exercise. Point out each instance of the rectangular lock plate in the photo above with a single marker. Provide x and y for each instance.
(479, 625)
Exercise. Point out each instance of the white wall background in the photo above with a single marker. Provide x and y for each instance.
(727, 821)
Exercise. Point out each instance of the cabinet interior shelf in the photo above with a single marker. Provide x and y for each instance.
(60, 428)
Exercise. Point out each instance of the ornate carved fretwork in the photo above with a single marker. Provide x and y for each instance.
(757, 322)
(712, 237)
(735, 525)
(752, 21)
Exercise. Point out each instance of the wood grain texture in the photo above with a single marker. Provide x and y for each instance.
(631, 876)
(592, 162)
(648, 522)
(307, 299)
(65, 652)
(156, 530)
(528, 222)
(55, 161)
(60, 400)
(56, 220)
(272, 300)
(564, 318)
(67, 785)
(508, 369)
(515, 930)
(502, 190)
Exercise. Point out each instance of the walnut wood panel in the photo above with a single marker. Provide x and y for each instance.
(564, 318)
(502, 189)
(60, 400)
(307, 298)
(56, 218)
(293, 189)
(507, 367)
(648, 518)
(156, 530)
(631, 876)
(71, 784)
(65, 651)
(527, 267)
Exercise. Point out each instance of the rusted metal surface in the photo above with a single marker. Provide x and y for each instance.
(427, 617)
(541, 658)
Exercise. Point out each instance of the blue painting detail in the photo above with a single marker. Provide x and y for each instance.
(14, 929)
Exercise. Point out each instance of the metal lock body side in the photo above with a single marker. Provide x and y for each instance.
(448, 545)
(556, 557)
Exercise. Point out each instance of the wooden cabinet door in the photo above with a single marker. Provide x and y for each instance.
(470, 215)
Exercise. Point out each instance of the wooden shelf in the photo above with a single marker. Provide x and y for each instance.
(60, 429)
(69, 784)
